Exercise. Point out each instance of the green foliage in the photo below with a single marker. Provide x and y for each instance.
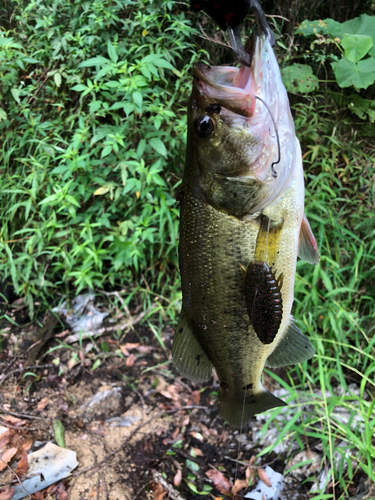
(92, 133)
(299, 78)
(356, 37)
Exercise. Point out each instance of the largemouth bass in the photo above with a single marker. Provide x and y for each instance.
(242, 226)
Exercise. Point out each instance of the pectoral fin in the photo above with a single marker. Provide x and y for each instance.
(293, 348)
(188, 356)
(307, 246)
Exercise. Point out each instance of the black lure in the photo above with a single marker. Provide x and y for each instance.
(263, 300)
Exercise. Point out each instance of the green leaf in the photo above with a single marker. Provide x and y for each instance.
(138, 99)
(16, 95)
(356, 46)
(106, 151)
(94, 61)
(158, 145)
(360, 75)
(57, 78)
(79, 88)
(94, 106)
(3, 115)
(112, 52)
(59, 432)
(299, 78)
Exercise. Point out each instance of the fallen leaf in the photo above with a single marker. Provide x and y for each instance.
(220, 482)
(175, 433)
(22, 466)
(6, 437)
(62, 494)
(177, 478)
(145, 348)
(42, 404)
(23, 445)
(131, 360)
(13, 420)
(264, 477)
(198, 452)
(249, 474)
(159, 492)
(7, 493)
(239, 485)
(7, 457)
(128, 347)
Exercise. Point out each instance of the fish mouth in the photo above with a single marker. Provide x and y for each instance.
(231, 87)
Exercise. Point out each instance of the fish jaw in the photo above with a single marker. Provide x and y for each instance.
(243, 146)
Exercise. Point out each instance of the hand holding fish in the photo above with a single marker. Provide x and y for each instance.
(229, 15)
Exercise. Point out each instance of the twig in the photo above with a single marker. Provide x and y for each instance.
(105, 329)
(23, 369)
(124, 443)
(140, 490)
(248, 465)
(5, 424)
(174, 494)
(97, 487)
(23, 415)
(105, 486)
(206, 37)
(18, 479)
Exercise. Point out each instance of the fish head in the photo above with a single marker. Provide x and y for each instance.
(241, 136)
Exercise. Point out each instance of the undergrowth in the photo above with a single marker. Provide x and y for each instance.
(92, 131)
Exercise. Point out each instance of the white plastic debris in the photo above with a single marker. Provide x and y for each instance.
(46, 466)
(100, 396)
(124, 421)
(264, 492)
(82, 316)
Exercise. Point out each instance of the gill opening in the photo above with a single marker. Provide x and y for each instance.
(274, 173)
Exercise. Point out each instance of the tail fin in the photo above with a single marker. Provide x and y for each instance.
(238, 412)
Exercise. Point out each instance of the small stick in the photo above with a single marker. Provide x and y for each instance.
(174, 494)
(23, 369)
(18, 479)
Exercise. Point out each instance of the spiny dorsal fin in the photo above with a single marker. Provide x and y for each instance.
(188, 356)
(307, 246)
(293, 348)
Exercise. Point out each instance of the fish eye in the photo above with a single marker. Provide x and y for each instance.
(204, 126)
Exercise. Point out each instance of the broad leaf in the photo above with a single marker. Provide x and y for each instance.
(356, 46)
(360, 75)
(299, 78)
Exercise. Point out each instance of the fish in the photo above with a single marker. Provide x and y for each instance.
(242, 226)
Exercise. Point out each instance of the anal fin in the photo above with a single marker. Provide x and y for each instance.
(188, 355)
(293, 348)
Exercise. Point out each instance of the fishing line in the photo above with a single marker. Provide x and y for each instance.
(274, 173)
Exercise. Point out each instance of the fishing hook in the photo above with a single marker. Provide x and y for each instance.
(274, 173)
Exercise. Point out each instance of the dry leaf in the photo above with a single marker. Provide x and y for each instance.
(264, 477)
(239, 485)
(159, 492)
(6, 437)
(198, 452)
(42, 404)
(128, 347)
(7, 457)
(131, 360)
(62, 494)
(7, 493)
(249, 474)
(145, 348)
(22, 466)
(13, 420)
(220, 482)
(23, 445)
(177, 478)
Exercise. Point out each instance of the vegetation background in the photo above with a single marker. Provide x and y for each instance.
(93, 98)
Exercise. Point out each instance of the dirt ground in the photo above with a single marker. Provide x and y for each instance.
(138, 429)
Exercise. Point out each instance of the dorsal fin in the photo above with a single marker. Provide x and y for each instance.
(307, 246)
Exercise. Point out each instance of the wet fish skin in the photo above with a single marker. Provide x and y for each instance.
(228, 190)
